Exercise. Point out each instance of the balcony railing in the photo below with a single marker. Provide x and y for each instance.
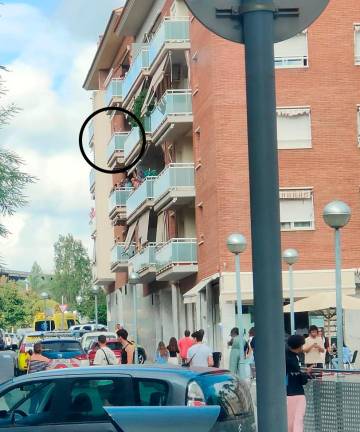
(141, 61)
(171, 30)
(134, 137)
(144, 259)
(91, 132)
(291, 62)
(121, 256)
(140, 195)
(118, 198)
(92, 179)
(176, 175)
(114, 90)
(176, 251)
(116, 144)
(173, 103)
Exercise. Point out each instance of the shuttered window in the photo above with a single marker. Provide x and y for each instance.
(294, 128)
(296, 209)
(292, 53)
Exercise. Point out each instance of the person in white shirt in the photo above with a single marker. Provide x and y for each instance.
(200, 355)
(104, 355)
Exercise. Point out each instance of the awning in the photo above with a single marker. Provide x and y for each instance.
(161, 228)
(190, 296)
(154, 84)
(130, 235)
(323, 301)
(292, 112)
(143, 227)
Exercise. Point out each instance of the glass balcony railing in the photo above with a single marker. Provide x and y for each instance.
(134, 137)
(116, 143)
(114, 90)
(176, 251)
(171, 30)
(92, 178)
(140, 195)
(173, 103)
(118, 198)
(91, 131)
(145, 258)
(174, 176)
(121, 256)
(141, 61)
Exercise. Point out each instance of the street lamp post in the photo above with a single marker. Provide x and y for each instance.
(236, 244)
(45, 296)
(290, 256)
(336, 215)
(95, 290)
(133, 281)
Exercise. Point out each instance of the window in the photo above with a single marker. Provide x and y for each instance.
(45, 325)
(294, 128)
(89, 396)
(357, 43)
(150, 392)
(296, 209)
(292, 53)
(358, 124)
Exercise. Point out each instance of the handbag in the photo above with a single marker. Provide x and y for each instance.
(188, 364)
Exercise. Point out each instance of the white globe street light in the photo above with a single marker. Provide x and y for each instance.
(133, 280)
(336, 215)
(236, 244)
(290, 256)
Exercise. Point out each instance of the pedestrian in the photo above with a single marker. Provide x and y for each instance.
(173, 351)
(118, 326)
(200, 354)
(37, 362)
(314, 348)
(104, 355)
(128, 349)
(295, 381)
(235, 343)
(162, 354)
(326, 357)
(184, 344)
(347, 357)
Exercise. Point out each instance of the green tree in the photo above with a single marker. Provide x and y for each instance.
(87, 307)
(72, 270)
(36, 278)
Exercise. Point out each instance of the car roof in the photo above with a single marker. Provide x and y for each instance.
(153, 370)
(98, 333)
(61, 339)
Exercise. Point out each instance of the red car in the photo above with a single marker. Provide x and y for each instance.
(113, 344)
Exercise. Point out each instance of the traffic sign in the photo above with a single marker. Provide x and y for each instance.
(63, 307)
(224, 17)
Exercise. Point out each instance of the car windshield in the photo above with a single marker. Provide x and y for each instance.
(60, 346)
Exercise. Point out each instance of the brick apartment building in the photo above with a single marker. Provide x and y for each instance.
(169, 218)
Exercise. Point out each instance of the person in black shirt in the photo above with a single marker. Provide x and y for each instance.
(295, 381)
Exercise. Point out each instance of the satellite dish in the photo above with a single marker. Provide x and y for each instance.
(223, 17)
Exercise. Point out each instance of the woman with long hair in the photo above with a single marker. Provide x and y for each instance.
(173, 351)
(162, 354)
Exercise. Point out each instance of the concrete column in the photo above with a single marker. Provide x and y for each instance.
(227, 316)
(182, 315)
(198, 320)
(175, 309)
(209, 317)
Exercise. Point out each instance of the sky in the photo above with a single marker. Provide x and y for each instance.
(48, 45)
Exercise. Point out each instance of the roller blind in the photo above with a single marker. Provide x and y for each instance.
(357, 44)
(294, 128)
(296, 210)
(294, 47)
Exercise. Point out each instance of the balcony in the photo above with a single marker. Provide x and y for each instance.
(92, 181)
(114, 92)
(140, 200)
(175, 185)
(133, 141)
(117, 204)
(172, 117)
(176, 259)
(92, 225)
(115, 149)
(173, 34)
(120, 257)
(144, 263)
(139, 65)
(91, 133)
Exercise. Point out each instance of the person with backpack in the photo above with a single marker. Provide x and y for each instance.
(104, 355)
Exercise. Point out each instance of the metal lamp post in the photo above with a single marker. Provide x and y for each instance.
(133, 281)
(336, 215)
(95, 291)
(45, 296)
(290, 256)
(236, 244)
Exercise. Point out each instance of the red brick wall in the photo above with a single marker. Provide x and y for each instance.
(331, 87)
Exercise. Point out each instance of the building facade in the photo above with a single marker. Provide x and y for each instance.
(171, 214)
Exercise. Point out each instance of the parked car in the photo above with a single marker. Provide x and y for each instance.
(113, 344)
(73, 399)
(64, 353)
(2, 340)
(88, 339)
(81, 329)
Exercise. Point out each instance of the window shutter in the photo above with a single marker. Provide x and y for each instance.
(294, 128)
(294, 47)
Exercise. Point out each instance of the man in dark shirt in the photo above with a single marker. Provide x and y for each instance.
(295, 381)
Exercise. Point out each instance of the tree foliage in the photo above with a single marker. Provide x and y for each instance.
(72, 270)
(87, 306)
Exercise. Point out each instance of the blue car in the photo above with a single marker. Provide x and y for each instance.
(89, 399)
